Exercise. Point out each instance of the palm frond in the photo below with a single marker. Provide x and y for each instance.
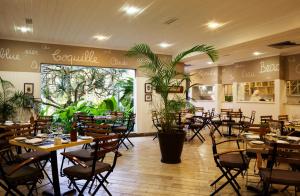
(144, 50)
(209, 50)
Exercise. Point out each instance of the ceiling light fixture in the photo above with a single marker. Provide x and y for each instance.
(256, 53)
(131, 10)
(214, 25)
(23, 29)
(101, 37)
(164, 45)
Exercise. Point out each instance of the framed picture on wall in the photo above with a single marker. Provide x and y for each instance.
(148, 88)
(148, 97)
(28, 88)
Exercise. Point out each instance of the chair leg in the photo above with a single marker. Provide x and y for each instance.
(62, 165)
(84, 187)
(7, 189)
(129, 141)
(44, 171)
(32, 187)
(229, 180)
(101, 182)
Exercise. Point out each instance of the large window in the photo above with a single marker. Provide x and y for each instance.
(256, 91)
(69, 89)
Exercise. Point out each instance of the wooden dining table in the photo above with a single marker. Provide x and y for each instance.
(52, 148)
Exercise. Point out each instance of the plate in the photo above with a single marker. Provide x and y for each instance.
(86, 137)
(293, 138)
(282, 142)
(253, 136)
(20, 138)
(247, 133)
(257, 142)
(33, 141)
(42, 135)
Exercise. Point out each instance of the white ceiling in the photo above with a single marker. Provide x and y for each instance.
(73, 22)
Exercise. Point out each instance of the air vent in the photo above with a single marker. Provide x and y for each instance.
(170, 21)
(28, 21)
(283, 45)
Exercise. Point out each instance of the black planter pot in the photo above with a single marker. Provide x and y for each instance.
(171, 145)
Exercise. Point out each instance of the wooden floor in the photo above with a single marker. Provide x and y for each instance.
(140, 172)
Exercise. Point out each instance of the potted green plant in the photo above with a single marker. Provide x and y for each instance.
(9, 100)
(163, 76)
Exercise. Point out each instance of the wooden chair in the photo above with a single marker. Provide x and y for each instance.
(284, 118)
(125, 130)
(41, 157)
(264, 119)
(17, 174)
(91, 170)
(81, 121)
(229, 162)
(42, 123)
(274, 174)
(224, 113)
(247, 121)
(85, 154)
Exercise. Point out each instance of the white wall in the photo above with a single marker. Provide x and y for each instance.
(19, 78)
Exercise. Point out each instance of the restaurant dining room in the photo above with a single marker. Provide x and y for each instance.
(149, 98)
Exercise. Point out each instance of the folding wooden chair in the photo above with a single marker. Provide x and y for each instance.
(273, 174)
(17, 174)
(264, 119)
(94, 170)
(228, 162)
(126, 130)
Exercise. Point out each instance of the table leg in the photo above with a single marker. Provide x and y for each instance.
(55, 176)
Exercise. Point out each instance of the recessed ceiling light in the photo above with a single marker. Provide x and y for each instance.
(210, 63)
(24, 29)
(164, 45)
(101, 37)
(256, 53)
(131, 10)
(214, 25)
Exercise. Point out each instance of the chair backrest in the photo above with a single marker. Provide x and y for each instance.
(224, 112)
(105, 145)
(264, 119)
(95, 130)
(283, 153)
(236, 115)
(199, 109)
(258, 129)
(284, 117)
(49, 118)
(42, 123)
(252, 117)
(22, 130)
(85, 119)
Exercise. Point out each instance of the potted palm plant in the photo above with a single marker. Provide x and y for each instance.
(163, 77)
